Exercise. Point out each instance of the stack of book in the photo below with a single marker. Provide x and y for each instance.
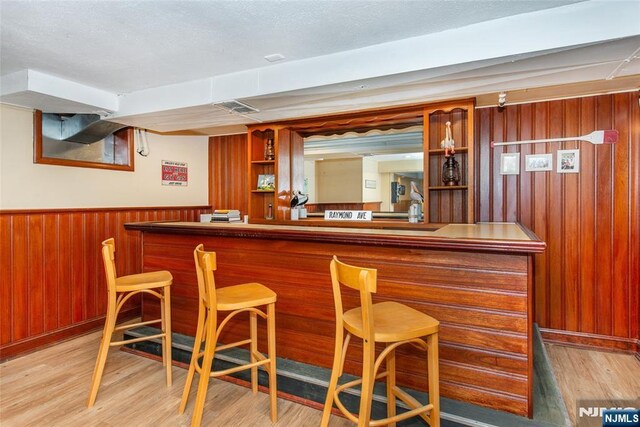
(225, 215)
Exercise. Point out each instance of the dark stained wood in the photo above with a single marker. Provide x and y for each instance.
(587, 281)
(455, 204)
(227, 167)
(481, 297)
(6, 279)
(354, 236)
(51, 271)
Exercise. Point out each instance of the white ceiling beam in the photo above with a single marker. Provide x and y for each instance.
(77, 97)
(512, 38)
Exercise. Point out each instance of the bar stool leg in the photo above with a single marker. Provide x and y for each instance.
(336, 369)
(197, 344)
(166, 329)
(162, 329)
(368, 380)
(253, 332)
(391, 383)
(271, 348)
(109, 326)
(205, 370)
(434, 392)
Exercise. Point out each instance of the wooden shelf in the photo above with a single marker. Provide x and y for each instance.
(263, 191)
(448, 187)
(441, 150)
(449, 203)
(263, 162)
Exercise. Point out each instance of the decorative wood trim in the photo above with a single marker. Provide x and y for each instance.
(39, 158)
(591, 341)
(116, 209)
(359, 237)
(38, 342)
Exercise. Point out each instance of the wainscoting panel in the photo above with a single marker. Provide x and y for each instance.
(228, 171)
(587, 281)
(51, 274)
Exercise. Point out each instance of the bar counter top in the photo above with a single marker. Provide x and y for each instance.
(500, 237)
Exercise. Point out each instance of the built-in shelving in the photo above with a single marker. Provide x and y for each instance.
(449, 203)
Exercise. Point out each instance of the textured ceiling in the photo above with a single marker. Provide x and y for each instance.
(124, 46)
(164, 65)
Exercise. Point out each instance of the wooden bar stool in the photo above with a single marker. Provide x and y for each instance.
(120, 289)
(234, 299)
(388, 322)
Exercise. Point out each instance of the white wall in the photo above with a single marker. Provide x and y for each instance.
(339, 180)
(370, 172)
(310, 178)
(25, 185)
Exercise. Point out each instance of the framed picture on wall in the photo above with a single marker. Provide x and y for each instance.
(266, 182)
(538, 162)
(370, 183)
(568, 161)
(510, 164)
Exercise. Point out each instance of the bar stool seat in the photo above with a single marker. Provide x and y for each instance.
(120, 289)
(244, 298)
(393, 322)
(388, 322)
(153, 279)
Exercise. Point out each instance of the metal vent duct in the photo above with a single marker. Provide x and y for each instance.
(81, 128)
(237, 107)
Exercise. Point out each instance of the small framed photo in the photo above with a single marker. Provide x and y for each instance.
(266, 182)
(538, 162)
(510, 164)
(568, 161)
(369, 183)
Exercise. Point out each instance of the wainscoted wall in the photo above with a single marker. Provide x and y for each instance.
(52, 282)
(587, 282)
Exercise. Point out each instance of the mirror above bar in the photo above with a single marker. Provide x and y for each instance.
(369, 160)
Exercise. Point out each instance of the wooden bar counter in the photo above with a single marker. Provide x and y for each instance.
(476, 279)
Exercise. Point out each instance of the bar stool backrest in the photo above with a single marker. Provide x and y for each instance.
(205, 266)
(360, 279)
(108, 258)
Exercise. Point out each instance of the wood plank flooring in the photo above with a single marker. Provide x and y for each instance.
(589, 374)
(50, 388)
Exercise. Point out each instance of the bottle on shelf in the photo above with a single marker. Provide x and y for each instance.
(269, 151)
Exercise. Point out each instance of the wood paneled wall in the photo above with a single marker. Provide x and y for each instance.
(228, 172)
(52, 282)
(587, 282)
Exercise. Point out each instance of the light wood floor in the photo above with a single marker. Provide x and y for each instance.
(588, 374)
(50, 388)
